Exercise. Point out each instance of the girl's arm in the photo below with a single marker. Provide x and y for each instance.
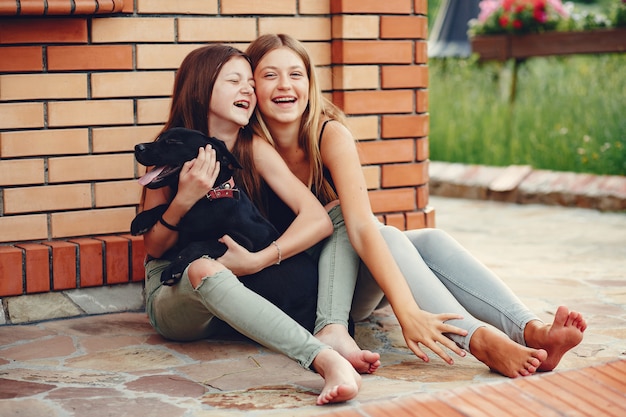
(311, 224)
(196, 178)
(340, 156)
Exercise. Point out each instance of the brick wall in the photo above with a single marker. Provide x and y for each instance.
(80, 87)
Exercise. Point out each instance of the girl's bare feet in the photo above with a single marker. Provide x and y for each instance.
(503, 355)
(337, 336)
(565, 332)
(341, 381)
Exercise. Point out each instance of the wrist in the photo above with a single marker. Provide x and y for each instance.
(279, 253)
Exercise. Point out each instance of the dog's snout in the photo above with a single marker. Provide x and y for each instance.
(140, 147)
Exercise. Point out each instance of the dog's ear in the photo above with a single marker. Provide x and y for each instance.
(226, 155)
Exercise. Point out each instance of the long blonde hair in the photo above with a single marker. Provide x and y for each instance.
(317, 111)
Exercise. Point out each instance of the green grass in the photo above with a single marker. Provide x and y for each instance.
(568, 114)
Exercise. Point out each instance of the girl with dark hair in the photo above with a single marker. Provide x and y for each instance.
(214, 94)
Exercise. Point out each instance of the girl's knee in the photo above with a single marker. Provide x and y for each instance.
(202, 268)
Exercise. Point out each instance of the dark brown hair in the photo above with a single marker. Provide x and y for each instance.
(191, 97)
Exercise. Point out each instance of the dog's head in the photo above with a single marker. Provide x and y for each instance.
(172, 149)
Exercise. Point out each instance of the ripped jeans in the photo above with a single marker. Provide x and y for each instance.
(184, 313)
(442, 275)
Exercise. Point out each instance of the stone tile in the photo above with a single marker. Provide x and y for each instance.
(90, 344)
(11, 388)
(262, 398)
(37, 307)
(66, 393)
(118, 406)
(67, 376)
(123, 323)
(246, 372)
(12, 334)
(49, 348)
(170, 385)
(209, 350)
(109, 299)
(28, 408)
(128, 359)
(433, 372)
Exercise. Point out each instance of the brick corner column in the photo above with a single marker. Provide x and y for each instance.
(380, 80)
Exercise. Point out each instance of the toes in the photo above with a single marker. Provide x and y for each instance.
(561, 316)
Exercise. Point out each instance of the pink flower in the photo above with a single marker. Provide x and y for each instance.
(517, 24)
(558, 7)
(487, 8)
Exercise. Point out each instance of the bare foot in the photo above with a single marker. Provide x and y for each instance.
(557, 338)
(341, 381)
(503, 355)
(337, 336)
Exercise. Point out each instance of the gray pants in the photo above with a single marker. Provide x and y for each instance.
(442, 275)
(184, 313)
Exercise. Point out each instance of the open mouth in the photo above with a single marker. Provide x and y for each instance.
(159, 174)
(281, 100)
(242, 104)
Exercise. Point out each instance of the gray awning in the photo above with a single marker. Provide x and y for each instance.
(449, 34)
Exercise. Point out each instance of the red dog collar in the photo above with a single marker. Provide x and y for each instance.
(226, 190)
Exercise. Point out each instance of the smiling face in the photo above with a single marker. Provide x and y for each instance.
(233, 99)
(282, 86)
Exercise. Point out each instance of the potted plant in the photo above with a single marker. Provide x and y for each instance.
(524, 28)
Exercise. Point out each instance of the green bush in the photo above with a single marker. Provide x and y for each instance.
(568, 114)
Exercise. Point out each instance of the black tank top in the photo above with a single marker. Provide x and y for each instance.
(278, 212)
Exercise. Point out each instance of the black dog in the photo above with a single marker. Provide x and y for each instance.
(224, 210)
(292, 285)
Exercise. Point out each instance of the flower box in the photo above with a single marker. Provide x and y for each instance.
(503, 47)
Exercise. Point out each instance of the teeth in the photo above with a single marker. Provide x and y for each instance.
(242, 104)
(284, 100)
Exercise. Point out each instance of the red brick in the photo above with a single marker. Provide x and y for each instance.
(90, 57)
(430, 217)
(370, 6)
(421, 7)
(375, 102)
(37, 258)
(421, 101)
(90, 262)
(403, 126)
(32, 7)
(371, 52)
(402, 175)
(394, 200)
(128, 7)
(44, 31)
(11, 272)
(396, 220)
(404, 76)
(88, 6)
(403, 27)
(386, 151)
(116, 259)
(422, 196)
(63, 264)
(421, 52)
(8, 8)
(59, 7)
(21, 58)
(137, 257)
(422, 149)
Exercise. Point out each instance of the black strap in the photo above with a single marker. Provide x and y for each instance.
(322, 131)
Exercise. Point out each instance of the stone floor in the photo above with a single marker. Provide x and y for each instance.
(115, 365)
